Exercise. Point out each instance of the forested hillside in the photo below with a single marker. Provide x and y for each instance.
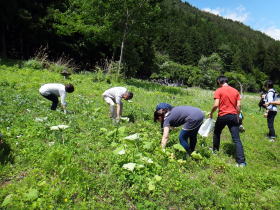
(151, 39)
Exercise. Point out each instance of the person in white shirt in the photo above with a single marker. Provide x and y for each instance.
(114, 96)
(52, 91)
(271, 109)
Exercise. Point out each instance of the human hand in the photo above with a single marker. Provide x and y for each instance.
(210, 115)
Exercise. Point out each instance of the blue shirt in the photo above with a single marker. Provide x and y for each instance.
(188, 116)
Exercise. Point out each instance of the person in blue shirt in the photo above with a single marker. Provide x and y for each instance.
(189, 117)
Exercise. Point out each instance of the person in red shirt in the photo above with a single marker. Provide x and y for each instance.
(227, 100)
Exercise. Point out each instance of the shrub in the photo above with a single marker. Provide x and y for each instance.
(33, 64)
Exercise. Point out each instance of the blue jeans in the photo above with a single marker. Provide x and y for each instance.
(183, 137)
(231, 120)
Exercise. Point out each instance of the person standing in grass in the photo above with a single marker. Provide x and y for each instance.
(52, 91)
(190, 117)
(271, 109)
(227, 100)
(113, 97)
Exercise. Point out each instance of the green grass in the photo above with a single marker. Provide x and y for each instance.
(80, 168)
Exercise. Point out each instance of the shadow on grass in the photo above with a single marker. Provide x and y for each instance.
(229, 149)
(156, 87)
(5, 152)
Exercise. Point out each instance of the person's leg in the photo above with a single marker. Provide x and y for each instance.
(234, 130)
(121, 108)
(270, 123)
(54, 100)
(111, 103)
(183, 137)
(219, 126)
(193, 138)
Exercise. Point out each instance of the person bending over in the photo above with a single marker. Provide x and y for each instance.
(190, 117)
(113, 97)
(52, 91)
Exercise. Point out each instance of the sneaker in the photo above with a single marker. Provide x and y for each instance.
(272, 140)
(241, 165)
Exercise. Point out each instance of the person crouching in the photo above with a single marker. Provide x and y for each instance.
(52, 91)
(114, 96)
(190, 117)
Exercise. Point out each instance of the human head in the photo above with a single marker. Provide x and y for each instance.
(221, 80)
(163, 106)
(69, 88)
(127, 95)
(159, 115)
(268, 84)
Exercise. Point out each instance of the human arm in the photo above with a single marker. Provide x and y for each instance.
(238, 107)
(273, 103)
(165, 136)
(215, 107)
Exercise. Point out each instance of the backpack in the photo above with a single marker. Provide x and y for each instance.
(261, 103)
(275, 95)
(263, 99)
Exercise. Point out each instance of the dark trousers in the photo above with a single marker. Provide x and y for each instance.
(270, 123)
(185, 135)
(54, 100)
(231, 120)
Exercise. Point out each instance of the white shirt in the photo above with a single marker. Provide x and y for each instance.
(115, 94)
(56, 89)
(269, 98)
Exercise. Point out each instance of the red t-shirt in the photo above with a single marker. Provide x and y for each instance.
(228, 100)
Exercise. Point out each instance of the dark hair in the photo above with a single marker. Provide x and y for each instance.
(222, 80)
(69, 88)
(129, 95)
(268, 84)
(156, 116)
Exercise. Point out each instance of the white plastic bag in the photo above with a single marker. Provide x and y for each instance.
(206, 127)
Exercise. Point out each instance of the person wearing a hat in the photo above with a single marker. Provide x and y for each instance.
(189, 117)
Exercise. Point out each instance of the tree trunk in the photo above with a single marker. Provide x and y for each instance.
(123, 40)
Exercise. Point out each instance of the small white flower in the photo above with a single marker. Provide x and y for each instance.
(41, 119)
(122, 152)
(140, 166)
(147, 160)
(51, 143)
(129, 166)
(133, 137)
(54, 128)
(63, 126)
(58, 127)
(125, 119)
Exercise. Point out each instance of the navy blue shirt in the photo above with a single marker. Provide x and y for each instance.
(188, 116)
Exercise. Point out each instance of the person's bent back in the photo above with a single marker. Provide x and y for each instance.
(52, 91)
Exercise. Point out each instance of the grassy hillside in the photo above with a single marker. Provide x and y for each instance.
(80, 167)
